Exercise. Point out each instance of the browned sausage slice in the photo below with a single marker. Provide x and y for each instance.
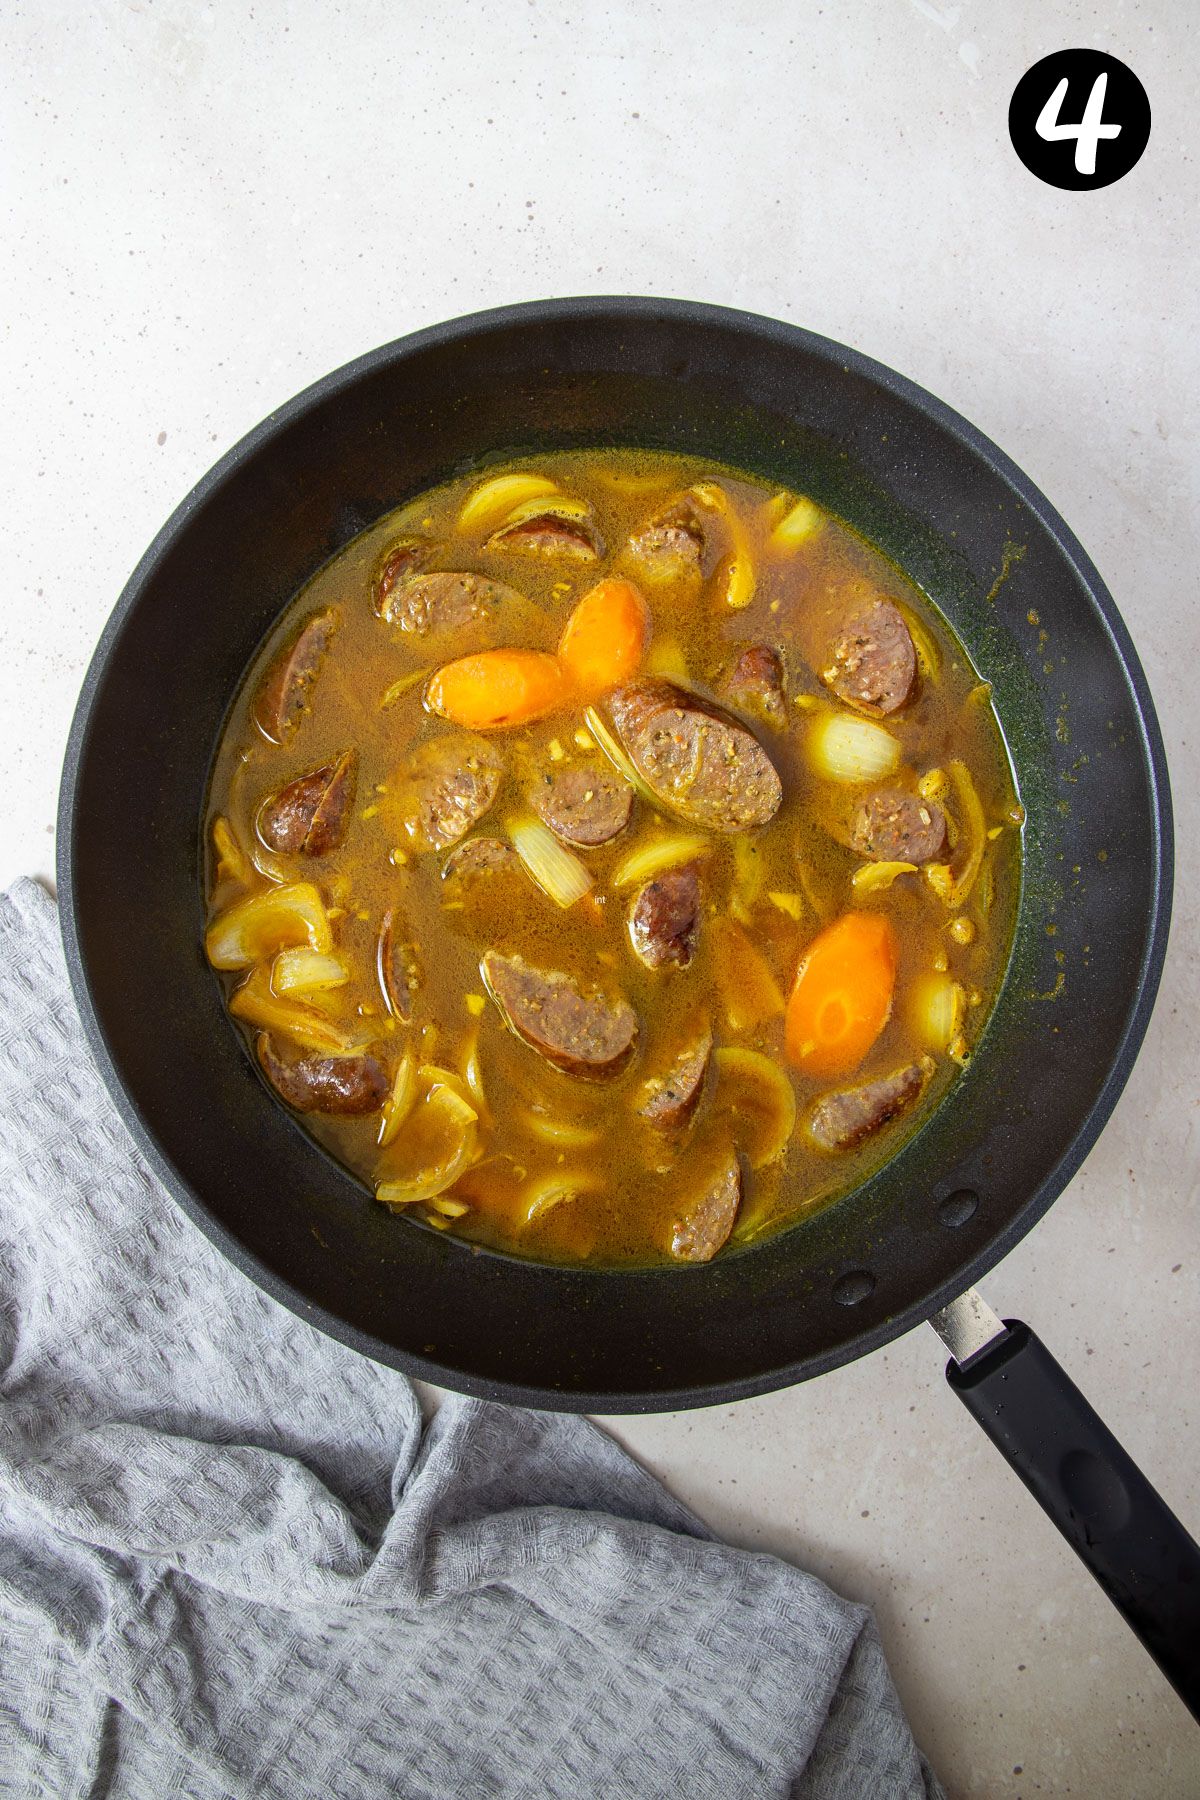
(404, 558)
(872, 662)
(756, 683)
(670, 1100)
(894, 826)
(286, 689)
(332, 1084)
(582, 804)
(447, 785)
(704, 1226)
(308, 816)
(549, 534)
(670, 547)
(664, 921)
(479, 856)
(399, 971)
(842, 1120)
(581, 1034)
(446, 600)
(699, 760)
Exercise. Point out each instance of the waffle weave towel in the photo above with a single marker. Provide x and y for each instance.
(232, 1561)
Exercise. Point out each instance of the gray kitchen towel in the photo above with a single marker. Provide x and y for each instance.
(233, 1563)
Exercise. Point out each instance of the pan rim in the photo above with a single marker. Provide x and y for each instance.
(980, 448)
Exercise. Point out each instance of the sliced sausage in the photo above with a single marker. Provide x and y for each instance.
(842, 1120)
(670, 547)
(583, 804)
(399, 970)
(894, 826)
(479, 856)
(670, 1100)
(308, 817)
(549, 534)
(699, 760)
(705, 1224)
(664, 920)
(404, 558)
(286, 689)
(446, 601)
(331, 1084)
(756, 683)
(447, 785)
(873, 664)
(581, 1034)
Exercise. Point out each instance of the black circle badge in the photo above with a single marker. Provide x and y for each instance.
(1079, 119)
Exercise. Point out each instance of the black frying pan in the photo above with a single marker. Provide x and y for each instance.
(948, 506)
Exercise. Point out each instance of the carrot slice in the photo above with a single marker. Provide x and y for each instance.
(605, 636)
(498, 688)
(843, 995)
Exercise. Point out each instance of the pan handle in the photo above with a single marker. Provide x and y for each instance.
(1125, 1533)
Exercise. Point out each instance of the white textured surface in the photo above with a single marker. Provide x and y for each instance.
(208, 207)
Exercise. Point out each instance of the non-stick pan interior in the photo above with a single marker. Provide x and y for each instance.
(906, 471)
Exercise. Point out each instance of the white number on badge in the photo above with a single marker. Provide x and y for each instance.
(1087, 133)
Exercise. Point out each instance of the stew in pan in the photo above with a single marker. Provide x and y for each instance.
(612, 857)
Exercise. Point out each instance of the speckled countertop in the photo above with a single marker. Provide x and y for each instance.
(209, 206)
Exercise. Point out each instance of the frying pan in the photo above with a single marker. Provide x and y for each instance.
(908, 1244)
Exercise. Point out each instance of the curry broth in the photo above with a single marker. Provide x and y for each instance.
(626, 1177)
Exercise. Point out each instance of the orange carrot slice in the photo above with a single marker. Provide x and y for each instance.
(843, 995)
(498, 688)
(604, 638)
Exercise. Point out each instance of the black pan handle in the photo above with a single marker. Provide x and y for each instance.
(1125, 1533)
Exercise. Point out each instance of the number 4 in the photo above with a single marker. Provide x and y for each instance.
(1087, 133)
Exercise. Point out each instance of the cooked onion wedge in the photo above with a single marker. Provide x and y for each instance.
(847, 749)
(875, 878)
(496, 499)
(647, 860)
(739, 577)
(749, 990)
(560, 506)
(935, 1009)
(540, 1196)
(617, 756)
(253, 929)
(760, 1101)
(400, 1101)
(952, 882)
(557, 871)
(800, 523)
(255, 1004)
(473, 1072)
(440, 1140)
(232, 862)
(305, 971)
